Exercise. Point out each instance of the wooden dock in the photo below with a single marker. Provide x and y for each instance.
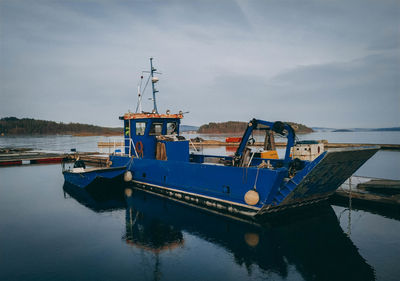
(374, 194)
(32, 157)
(367, 200)
(25, 158)
(386, 187)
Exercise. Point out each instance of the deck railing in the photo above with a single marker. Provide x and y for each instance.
(118, 147)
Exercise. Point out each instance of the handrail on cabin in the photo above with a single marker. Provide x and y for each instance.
(131, 144)
(134, 148)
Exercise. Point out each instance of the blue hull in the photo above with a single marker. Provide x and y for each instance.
(223, 188)
(83, 179)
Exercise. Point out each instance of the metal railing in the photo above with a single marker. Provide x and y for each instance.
(118, 147)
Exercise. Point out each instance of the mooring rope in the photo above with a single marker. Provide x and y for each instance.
(255, 182)
(130, 163)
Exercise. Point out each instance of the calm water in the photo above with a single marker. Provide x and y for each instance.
(49, 231)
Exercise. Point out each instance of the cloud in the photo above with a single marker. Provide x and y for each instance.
(362, 92)
(79, 61)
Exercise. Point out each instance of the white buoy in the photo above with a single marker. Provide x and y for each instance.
(127, 176)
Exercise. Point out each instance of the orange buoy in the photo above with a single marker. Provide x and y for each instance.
(252, 239)
(251, 197)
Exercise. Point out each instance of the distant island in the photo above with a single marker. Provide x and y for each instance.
(238, 127)
(188, 128)
(342, 130)
(392, 129)
(28, 126)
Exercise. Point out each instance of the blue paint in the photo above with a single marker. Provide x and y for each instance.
(252, 125)
(132, 131)
(177, 150)
(84, 178)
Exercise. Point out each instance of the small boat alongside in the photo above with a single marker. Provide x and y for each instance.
(81, 176)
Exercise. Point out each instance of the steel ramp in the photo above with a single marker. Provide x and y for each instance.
(322, 177)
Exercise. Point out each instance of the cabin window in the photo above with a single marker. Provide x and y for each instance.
(172, 128)
(155, 129)
(140, 127)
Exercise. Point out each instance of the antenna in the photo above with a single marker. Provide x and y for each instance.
(139, 104)
(153, 81)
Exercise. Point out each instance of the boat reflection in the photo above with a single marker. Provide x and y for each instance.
(99, 197)
(316, 245)
(148, 232)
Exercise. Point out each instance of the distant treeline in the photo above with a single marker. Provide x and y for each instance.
(392, 129)
(238, 127)
(28, 126)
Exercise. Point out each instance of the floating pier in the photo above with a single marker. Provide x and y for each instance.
(386, 187)
(17, 158)
(26, 158)
(373, 194)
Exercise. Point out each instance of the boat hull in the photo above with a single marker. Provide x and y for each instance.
(200, 201)
(83, 179)
(223, 188)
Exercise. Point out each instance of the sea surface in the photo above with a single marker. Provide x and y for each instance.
(53, 231)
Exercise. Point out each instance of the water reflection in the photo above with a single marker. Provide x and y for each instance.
(148, 232)
(99, 197)
(316, 247)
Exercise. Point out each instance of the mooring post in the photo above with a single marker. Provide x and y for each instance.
(349, 218)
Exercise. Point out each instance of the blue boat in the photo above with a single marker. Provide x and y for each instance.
(245, 184)
(81, 176)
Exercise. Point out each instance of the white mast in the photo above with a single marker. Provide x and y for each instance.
(139, 104)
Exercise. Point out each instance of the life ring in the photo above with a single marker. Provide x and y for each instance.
(139, 148)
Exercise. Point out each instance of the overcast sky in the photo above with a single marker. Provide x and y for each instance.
(320, 63)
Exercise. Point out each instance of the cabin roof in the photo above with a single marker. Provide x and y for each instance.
(128, 116)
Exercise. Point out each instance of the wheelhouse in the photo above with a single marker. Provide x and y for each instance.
(142, 132)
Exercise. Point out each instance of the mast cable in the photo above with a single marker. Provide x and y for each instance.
(142, 92)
